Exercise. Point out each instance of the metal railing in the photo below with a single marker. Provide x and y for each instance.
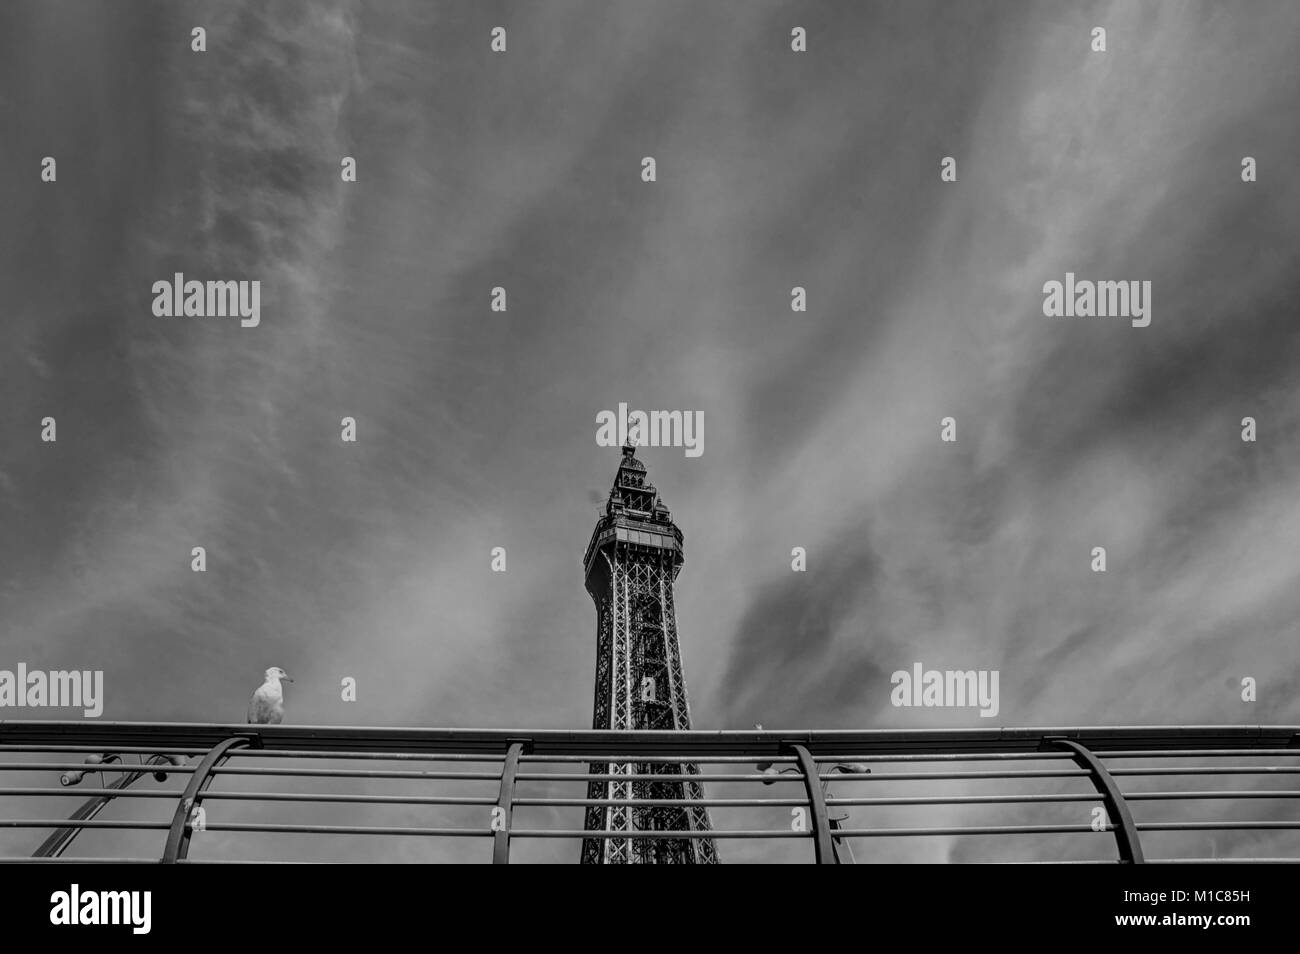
(228, 789)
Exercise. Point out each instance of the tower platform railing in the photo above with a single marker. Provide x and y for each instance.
(207, 793)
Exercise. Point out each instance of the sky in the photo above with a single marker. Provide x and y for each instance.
(476, 429)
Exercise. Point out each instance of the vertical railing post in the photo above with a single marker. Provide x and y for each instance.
(821, 825)
(178, 836)
(505, 805)
(1126, 836)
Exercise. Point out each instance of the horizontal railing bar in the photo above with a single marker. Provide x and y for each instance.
(1196, 753)
(73, 823)
(667, 759)
(1163, 861)
(83, 767)
(359, 773)
(637, 835)
(666, 802)
(245, 861)
(1211, 796)
(913, 776)
(797, 777)
(633, 776)
(63, 860)
(764, 833)
(387, 830)
(646, 776)
(73, 790)
(947, 757)
(377, 756)
(259, 796)
(1080, 797)
(349, 830)
(1211, 770)
(579, 834)
(1219, 826)
(1063, 861)
(514, 832)
(358, 799)
(887, 800)
(1050, 829)
(1089, 861)
(100, 749)
(1059, 773)
(791, 760)
(901, 758)
(969, 830)
(1223, 861)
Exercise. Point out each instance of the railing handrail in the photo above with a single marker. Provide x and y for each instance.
(604, 744)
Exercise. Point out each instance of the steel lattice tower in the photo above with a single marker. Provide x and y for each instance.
(631, 562)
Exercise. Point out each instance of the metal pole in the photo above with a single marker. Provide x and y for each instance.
(178, 836)
(1126, 836)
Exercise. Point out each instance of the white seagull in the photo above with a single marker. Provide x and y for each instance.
(267, 705)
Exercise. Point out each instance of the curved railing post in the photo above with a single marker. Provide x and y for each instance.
(178, 836)
(1126, 836)
(505, 804)
(821, 824)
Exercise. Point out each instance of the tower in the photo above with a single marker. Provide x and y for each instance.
(631, 563)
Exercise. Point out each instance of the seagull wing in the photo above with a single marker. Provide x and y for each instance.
(263, 708)
(256, 713)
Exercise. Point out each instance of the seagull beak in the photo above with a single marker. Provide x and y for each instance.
(286, 678)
